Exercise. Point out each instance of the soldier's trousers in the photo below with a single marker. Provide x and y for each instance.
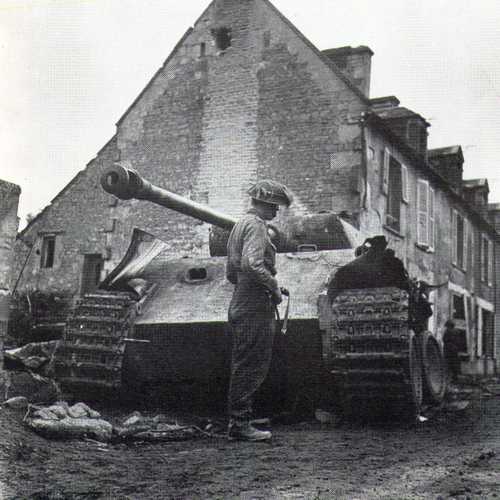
(251, 356)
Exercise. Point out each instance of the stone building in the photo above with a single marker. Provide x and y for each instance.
(9, 199)
(244, 95)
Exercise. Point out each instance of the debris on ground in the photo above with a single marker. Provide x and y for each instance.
(137, 427)
(79, 421)
(323, 416)
(17, 403)
(36, 388)
(35, 356)
(62, 421)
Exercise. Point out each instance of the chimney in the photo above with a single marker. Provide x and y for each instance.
(448, 162)
(355, 63)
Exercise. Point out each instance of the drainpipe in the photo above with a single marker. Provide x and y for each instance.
(364, 163)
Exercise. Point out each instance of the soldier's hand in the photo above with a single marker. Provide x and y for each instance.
(276, 297)
(284, 291)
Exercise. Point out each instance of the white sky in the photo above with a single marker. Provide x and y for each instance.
(70, 69)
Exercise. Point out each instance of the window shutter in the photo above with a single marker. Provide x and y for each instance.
(432, 225)
(454, 222)
(483, 257)
(490, 262)
(405, 191)
(385, 171)
(471, 251)
(465, 244)
(422, 209)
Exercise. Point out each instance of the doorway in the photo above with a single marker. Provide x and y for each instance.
(91, 273)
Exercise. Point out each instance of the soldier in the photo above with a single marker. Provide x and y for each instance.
(251, 268)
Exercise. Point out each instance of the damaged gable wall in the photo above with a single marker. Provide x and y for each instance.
(243, 96)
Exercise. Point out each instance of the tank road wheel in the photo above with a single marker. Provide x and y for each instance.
(415, 391)
(434, 370)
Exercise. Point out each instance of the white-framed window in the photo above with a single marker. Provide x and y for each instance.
(486, 260)
(460, 230)
(405, 184)
(385, 157)
(426, 227)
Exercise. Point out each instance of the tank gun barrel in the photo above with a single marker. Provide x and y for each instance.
(126, 183)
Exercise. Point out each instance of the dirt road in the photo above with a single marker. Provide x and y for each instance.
(451, 456)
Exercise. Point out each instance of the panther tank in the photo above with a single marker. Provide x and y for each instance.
(158, 323)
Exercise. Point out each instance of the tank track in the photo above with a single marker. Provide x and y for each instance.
(372, 353)
(90, 354)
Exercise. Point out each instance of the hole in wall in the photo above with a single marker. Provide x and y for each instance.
(222, 38)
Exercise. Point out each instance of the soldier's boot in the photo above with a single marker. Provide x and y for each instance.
(245, 431)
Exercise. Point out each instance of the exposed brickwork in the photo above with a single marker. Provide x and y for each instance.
(309, 136)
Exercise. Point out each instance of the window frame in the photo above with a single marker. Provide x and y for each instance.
(394, 199)
(48, 252)
(426, 215)
(456, 218)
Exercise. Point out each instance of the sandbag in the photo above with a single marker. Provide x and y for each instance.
(68, 428)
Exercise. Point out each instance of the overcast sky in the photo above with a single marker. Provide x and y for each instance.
(70, 69)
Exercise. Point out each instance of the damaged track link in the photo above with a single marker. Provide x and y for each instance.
(373, 355)
(90, 355)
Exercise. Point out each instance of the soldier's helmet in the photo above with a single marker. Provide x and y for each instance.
(270, 191)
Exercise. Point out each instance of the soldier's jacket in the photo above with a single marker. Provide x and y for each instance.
(251, 259)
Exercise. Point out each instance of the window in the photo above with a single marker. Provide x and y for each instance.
(384, 163)
(459, 240)
(458, 305)
(486, 260)
(392, 183)
(48, 251)
(426, 215)
(222, 38)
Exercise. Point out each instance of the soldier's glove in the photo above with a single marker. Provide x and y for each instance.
(284, 291)
(276, 297)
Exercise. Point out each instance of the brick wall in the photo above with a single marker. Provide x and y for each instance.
(9, 199)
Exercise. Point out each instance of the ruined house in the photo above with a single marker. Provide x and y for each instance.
(244, 95)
